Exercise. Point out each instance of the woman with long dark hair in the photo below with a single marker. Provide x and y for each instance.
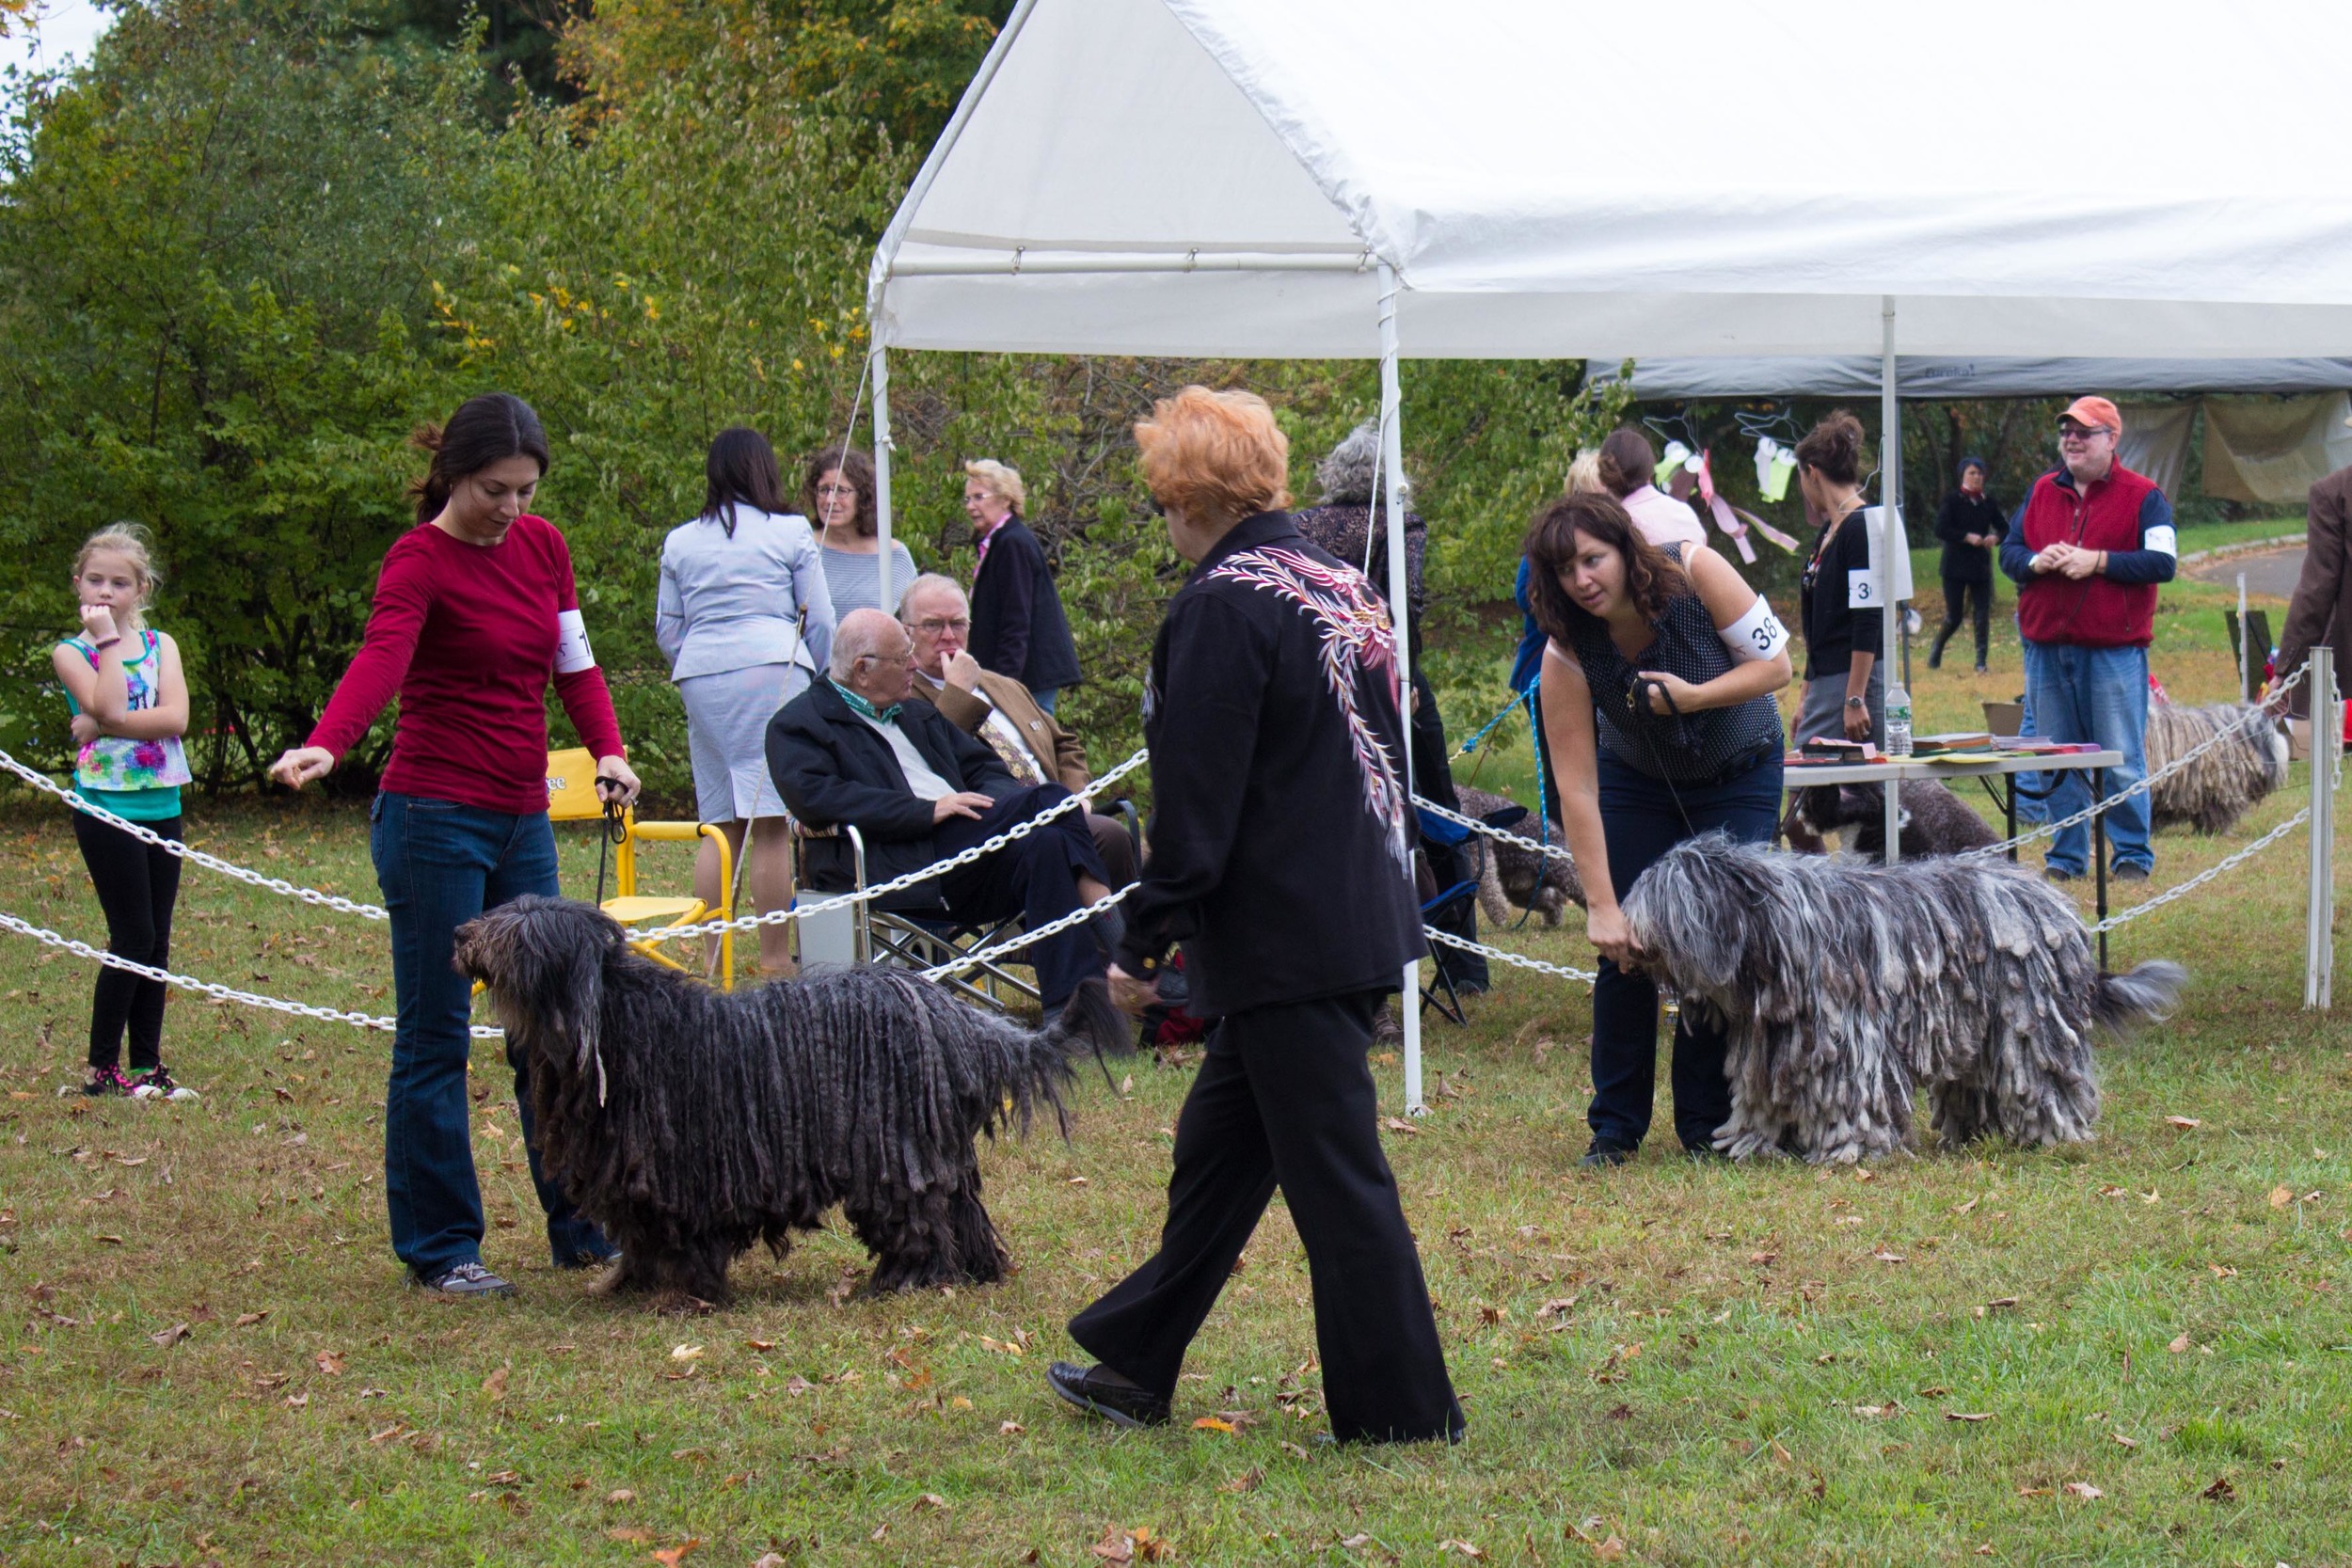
(475, 615)
(745, 619)
(1659, 671)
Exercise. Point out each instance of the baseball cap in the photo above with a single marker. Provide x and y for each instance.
(2098, 411)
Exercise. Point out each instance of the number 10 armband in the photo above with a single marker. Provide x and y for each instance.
(1755, 636)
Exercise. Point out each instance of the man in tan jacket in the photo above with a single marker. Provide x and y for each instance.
(2321, 611)
(999, 710)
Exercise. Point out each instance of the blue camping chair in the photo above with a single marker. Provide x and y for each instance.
(1437, 907)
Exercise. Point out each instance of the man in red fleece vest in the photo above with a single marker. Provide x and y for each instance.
(2087, 550)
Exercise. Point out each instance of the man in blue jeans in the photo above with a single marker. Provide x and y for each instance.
(2087, 550)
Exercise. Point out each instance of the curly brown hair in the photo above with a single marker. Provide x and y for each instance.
(1650, 577)
(856, 467)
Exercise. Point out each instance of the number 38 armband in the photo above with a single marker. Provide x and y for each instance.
(1755, 636)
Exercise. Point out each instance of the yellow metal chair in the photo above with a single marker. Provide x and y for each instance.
(572, 798)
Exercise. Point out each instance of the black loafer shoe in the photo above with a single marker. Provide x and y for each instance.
(1604, 1153)
(2129, 872)
(1098, 1392)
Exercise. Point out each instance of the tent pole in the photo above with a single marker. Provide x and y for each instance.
(2319, 952)
(1401, 616)
(881, 361)
(1891, 540)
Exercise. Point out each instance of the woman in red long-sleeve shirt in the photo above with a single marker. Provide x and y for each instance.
(476, 613)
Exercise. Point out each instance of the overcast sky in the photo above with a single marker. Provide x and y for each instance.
(64, 32)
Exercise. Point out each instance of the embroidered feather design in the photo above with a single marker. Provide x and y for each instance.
(1357, 643)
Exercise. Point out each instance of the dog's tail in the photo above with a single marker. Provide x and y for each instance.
(1088, 1024)
(2148, 994)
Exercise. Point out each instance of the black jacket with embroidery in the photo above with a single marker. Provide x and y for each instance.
(1281, 830)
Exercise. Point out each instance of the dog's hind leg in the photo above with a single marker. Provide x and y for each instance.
(978, 1247)
(912, 1236)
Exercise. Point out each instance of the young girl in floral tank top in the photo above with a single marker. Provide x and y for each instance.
(130, 706)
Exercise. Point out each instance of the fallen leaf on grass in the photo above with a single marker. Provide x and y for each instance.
(796, 1385)
(1968, 1415)
(1885, 1257)
(1464, 1547)
(494, 1387)
(1398, 1124)
(298, 1401)
(759, 1344)
(1963, 1208)
(1610, 1550)
(2122, 1442)
(2184, 1123)
(1211, 1423)
(1555, 1307)
(633, 1534)
(2221, 1491)
(668, 1556)
(2033, 1491)
(110, 1241)
(2000, 1304)
(685, 1353)
(2083, 1490)
(388, 1433)
(622, 1495)
(246, 1320)
(1875, 1412)
(2179, 1346)
(171, 1336)
(2279, 1198)
(1001, 1347)
(1248, 1481)
(1357, 1542)
(1763, 1259)
(931, 1502)
(1294, 1450)
(1933, 1391)
(2221, 1271)
(1010, 1429)
(330, 1363)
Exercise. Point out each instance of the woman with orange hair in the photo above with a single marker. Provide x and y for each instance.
(1281, 839)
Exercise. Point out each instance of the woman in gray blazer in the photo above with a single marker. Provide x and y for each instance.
(745, 620)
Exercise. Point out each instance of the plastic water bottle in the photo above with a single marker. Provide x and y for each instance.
(1897, 721)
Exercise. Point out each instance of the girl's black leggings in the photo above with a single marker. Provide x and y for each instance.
(137, 884)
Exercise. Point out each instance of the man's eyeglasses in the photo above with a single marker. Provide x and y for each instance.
(933, 627)
(2081, 431)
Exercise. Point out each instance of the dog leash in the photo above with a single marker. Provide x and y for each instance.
(1642, 690)
(615, 832)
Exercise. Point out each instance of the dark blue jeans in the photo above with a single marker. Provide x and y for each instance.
(1638, 822)
(440, 864)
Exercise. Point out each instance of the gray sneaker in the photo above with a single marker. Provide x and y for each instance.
(467, 1279)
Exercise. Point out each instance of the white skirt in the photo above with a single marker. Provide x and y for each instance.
(726, 733)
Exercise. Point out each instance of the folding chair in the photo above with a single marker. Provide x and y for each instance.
(911, 928)
(572, 798)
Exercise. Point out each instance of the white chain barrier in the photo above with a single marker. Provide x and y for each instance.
(1503, 834)
(213, 988)
(975, 958)
(1519, 961)
(146, 835)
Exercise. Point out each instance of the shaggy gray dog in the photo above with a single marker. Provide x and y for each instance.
(691, 1123)
(2224, 784)
(1847, 986)
(1933, 820)
(1509, 874)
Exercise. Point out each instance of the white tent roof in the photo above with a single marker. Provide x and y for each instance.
(1973, 376)
(1720, 177)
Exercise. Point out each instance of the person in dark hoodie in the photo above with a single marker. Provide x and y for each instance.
(1971, 526)
(1353, 524)
(1280, 845)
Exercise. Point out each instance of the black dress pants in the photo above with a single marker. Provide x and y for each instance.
(1285, 1098)
(1976, 593)
(1034, 878)
(137, 884)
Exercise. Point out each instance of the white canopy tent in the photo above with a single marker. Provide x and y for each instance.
(1510, 179)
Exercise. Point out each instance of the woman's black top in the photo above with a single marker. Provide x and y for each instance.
(1692, 748)
(1838, 599)
(1281, 833)
(1018, 627)
(1960, 516)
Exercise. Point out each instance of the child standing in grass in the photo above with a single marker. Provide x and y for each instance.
(130, 702)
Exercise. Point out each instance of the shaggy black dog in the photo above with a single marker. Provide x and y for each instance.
(1933, 820)
(691, 1123)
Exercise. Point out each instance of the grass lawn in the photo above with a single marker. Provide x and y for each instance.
(2139, 1351)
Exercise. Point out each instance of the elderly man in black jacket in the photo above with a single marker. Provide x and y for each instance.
(1280, 845)
(852, 750)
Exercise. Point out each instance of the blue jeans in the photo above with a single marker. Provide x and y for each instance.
(1047, 698)
(1638, 822)
(2098, 695)
(440, 864)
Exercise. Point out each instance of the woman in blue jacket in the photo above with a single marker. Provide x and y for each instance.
(745, 620)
